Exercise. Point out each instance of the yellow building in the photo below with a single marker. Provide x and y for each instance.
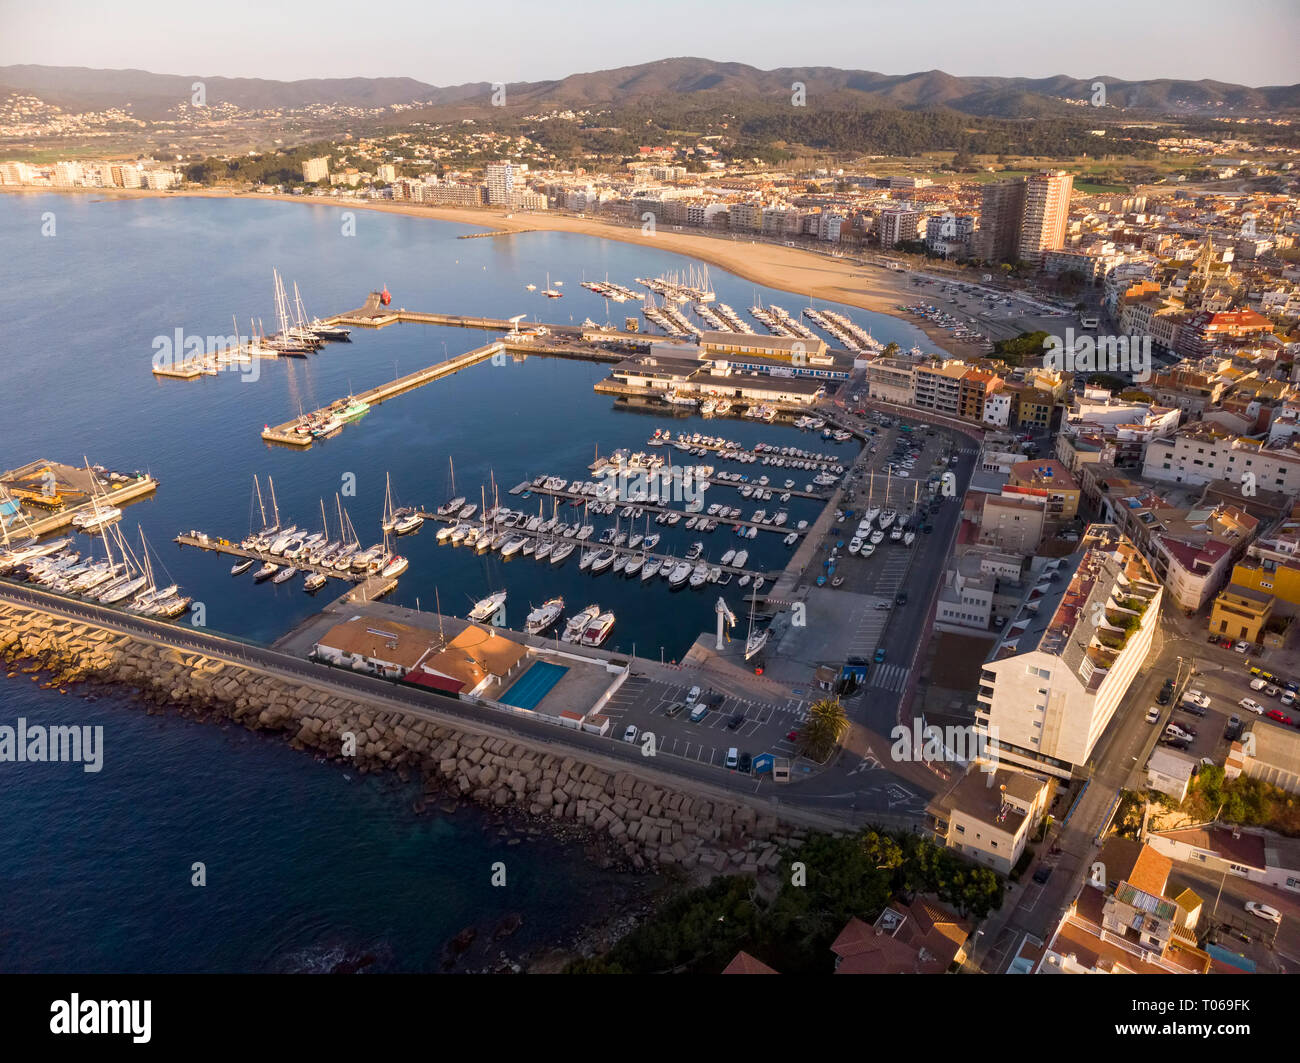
(1240, 613)
(1280, 580)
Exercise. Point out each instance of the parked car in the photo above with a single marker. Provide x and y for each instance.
(1197, 698)
(1042, 875)
(1153, 715)
(692, 695)
(745, 761)
(1241, 646)
(1180, 744)
(1288, 698)
(1279, 717)
(1258, 684)
(698, 713)
(630, 734)
(1271, 690)
(735, 721)
(1233, 731)
(1251, 705)
(733, 758)
(675, 709)
(1166, 692)
(1264, 911)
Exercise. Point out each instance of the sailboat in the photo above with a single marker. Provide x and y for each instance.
(552, 293)
(152, 594)
(403, 520)
(289, 340)
(755, 640)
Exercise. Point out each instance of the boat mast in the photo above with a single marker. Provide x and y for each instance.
(275, 509)
(260, 506)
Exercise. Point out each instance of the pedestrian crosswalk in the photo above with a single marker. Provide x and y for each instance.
(889, 677)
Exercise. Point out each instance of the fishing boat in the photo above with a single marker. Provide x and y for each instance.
(487, 607)
(577, 625)
(315, 582)
(544, 616)
(598, 630)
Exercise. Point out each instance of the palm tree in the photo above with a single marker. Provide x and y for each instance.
(822, 730)
(891, 349)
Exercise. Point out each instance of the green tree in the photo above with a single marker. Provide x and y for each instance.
(822, 730)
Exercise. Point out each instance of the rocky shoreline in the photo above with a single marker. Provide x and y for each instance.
(625, 822)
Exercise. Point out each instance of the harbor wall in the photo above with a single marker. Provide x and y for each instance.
(642, 821)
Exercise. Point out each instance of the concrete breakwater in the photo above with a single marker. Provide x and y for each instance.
(647, 822)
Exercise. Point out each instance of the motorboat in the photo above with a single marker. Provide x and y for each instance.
(598, 630)
(544, 616)
(577, 625)
(486, 608)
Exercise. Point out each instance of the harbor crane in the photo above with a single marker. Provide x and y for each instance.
(724, 613)
(514, 323)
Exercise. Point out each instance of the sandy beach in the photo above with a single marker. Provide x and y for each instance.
(820, 277)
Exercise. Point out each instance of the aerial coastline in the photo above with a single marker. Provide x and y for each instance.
(791, 269)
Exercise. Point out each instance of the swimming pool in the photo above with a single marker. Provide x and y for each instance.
(533, 685)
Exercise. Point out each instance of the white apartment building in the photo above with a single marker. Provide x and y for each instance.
(316, 169)
(1064, 663)
(500, 179)
(1202, 452)
(997, 409)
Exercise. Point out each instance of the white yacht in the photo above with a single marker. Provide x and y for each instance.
(544, 616)
(485, 608)
(577, 625)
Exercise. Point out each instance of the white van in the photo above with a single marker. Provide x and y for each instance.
(733, 758)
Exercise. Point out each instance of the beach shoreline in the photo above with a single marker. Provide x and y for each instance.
(788, 269)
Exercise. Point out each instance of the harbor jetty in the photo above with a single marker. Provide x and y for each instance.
(650, 816)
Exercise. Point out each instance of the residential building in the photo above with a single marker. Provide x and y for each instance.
(921, 937)
(1053, 478)
(898, 226)
(989, 815)
(1241, 613)
(890, 380)
(1127, 925)
(316, 170)
(1053, 682)
(1046, 211)
(1002, 206)
(500, 180)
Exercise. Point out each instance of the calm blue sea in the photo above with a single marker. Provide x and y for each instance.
(303, 864)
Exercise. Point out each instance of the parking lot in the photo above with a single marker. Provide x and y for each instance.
(750, 726)
(1224, 677)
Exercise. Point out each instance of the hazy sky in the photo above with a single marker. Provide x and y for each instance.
(1251, 42)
